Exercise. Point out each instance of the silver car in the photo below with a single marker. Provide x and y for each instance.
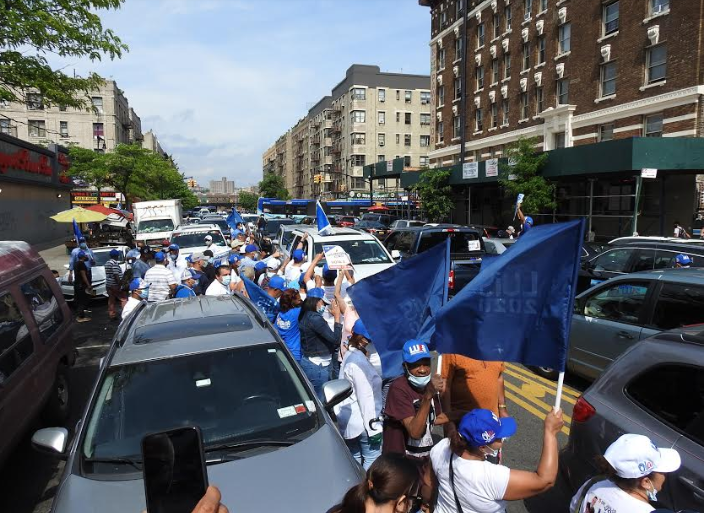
(216, 363)
(102, 255)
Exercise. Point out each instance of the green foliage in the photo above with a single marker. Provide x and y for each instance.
(435, 191)
(88, 166)
(273, 186)
(539, 192)
(69, 28)
(248, 201)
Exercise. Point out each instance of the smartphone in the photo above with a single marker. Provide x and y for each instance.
(175, 477)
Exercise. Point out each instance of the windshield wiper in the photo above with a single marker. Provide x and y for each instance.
(248, 444)
(121, 461)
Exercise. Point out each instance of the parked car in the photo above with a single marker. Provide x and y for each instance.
(219, 222)
(347, 221)
(220, 365)
(266, 238)
(102, 255)
(375, 228)
(623, 241)
(613, 316)
(590, 250)
(284, 238)
(191, 239)
(466, 248)
(634, 257)
(36, 344)
(405, 223)
(656, 389)
(385, 219)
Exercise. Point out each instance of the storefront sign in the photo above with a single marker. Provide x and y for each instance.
(470, 170)
(492, 167)
(25, 164)
(84, 198)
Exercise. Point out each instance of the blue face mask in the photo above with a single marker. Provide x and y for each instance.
(321, 309)
(652, 494)
(226, 280)
(144, 293)
(173, 256)
(419, 381)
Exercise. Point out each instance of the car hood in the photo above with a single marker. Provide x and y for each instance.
(312, 475)
(218, 251)
(361, 271)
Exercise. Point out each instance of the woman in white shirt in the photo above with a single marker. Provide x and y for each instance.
(357, 413)
(632, 472)
(467, 483)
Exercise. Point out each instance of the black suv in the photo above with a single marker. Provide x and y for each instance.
(466, 248)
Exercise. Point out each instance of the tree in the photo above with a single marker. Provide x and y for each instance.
(434, 191)
(29, 29)
(248, 201)
(539, 192)
(88, 166)
(272, 186)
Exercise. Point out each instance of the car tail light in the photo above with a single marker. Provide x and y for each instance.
(451, 280)
(449, 230)
(582, 411)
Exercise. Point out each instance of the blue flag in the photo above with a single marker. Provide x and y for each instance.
(77, 231)
(324, 227)
(234, 219)
(519, 307)
(400, 303)
(263, 301)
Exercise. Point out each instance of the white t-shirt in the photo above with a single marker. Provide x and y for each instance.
(217, 289)
(129, 306)
(293, 272)
(604, 496)
(480, 485)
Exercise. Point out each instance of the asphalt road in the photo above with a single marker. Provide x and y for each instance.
(29, 479)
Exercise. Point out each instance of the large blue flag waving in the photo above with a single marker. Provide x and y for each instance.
(263, 301)
(324, 227)
(234, 219)
(77, 231)
(519, 307)
(400, 303)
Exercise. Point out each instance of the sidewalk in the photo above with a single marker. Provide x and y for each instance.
(55, 258)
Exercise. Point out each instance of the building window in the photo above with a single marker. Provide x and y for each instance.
(507, 65)
(541, 49)
(441, 59)
(560, 140)
(494, 71)
(479, 72)
(382, 117)
(37, 128)
(443, 19)
(480, 35)
(458, 88)
(97, 102)
(497, 25)
(526, 56)
(563, 92)
(458, 47)
(504, 112)
(63, 128)
(382, 95)
(659, 6)
(539, 104)
(524, 106)
(424, 141)
(407, 118)
(456, 126)
(398, 91)
(507, 17)
(408, 96)
(98, 130)
(656, 57)
(423, 161)
(398, 117)
(424, 119)
(458, 9)
(424, 97)
(440, 132)
(564, 38)
(610, 17)
(441, 95)
(407, 140)
(6, 127)
(528, 7)
(35, 101)
(478, 123)
(382, 139)
(406, 161)
(380, 158)
(494, 115)
(398, 138)
(358, 116)
(359, 93)
(359, 160)
(543, 5)
(606, 132)
(358, 138)
(653, 125)
(608, 79)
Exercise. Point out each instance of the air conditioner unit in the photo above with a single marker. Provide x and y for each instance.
(526, 16)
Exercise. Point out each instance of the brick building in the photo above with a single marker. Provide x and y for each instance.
(569, 73)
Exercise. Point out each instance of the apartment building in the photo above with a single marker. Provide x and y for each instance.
(151, 142)
(222, 186)
(370, 116)
(570, 73)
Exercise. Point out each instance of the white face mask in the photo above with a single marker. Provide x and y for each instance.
(652, 493)
(493, 453)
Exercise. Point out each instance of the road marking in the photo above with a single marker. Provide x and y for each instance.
(533, 389)
(540, 379)
(540, 404)
(520, 402)
(533, 385)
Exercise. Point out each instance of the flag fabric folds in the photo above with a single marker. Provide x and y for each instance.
(401, 302)
(519, 307)
(263, 301)
(324, 227)
(76, 231)
(234, 219)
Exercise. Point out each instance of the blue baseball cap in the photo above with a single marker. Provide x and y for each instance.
(138, 284)
(251, 248)
(481, 427)
(415, 350)
(233, 258)
(298, 255)
(114, 253)
(82, 254)
(81, 239)
(260, 266)
(173, 247)
(159, 257)
(318, 293)
(683, 259)
(277, 282)
(328, 273)
(359, 329)
(529, 220)
(133, 253)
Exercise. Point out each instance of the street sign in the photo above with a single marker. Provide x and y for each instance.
(648, 172)
(470, 170)
(492, 167)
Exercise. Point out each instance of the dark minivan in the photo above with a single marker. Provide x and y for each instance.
(36, 344)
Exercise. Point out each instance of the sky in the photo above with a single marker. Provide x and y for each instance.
(219, 80)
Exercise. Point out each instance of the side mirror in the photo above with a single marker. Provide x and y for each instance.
(335, 392)
(395, 254)
(51, 441)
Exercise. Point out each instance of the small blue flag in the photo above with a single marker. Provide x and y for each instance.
(234, 219)
(519, 306)
(263, 301)
(519, 200)
(324, 227)
(417, 289)
(77, 231)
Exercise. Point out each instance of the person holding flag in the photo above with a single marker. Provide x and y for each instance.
(324, 227)
(82, 247)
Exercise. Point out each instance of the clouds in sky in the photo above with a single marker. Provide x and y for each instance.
(219, 80)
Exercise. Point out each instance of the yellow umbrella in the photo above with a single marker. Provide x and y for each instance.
(80, 214)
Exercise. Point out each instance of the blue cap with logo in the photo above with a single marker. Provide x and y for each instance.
(260, 266)
(173, 247)
(481, 427)
(159, 257)
(414, 350)
(683, 259)
(529, 220)
(297, 255)
(82, 254)
(138, 284)
(114, 253)
(360, 329)
(277, 283)
(318, 293)
(233, 258)
(251, 248)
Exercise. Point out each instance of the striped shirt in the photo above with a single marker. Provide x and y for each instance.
(159, 279)
(113, 273)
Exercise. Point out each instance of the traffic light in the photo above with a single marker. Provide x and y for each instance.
(318, 179)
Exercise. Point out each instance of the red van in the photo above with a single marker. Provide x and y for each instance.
(36, 344)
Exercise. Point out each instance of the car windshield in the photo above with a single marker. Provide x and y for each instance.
(379, 218)
(272, 225)
(460, 242)
(370, 224)
(360, 251)
(101, 257)
(197, 239)
(155, 225)
(221, 223)
(233, 395)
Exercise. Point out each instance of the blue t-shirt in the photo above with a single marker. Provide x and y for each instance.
(526, 227)
(287, 326)
(182, 291)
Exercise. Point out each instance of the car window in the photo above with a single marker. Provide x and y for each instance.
(232, 395)
(15, 341)
(615, 260)
(460, 242)
(390, 241)
(622, 302)
(679, 305)
(364, 251)
(44, 306)
(674, 394)
(405, 242)
(196, 239)
(644, 260)
(155, 225)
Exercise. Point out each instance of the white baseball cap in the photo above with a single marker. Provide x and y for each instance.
(634, 456)
(273, 263)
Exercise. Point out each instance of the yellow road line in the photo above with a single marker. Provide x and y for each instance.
(550, 391)
(532, 375)
(540, 404)
(520, 402)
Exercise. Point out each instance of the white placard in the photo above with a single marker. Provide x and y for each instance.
(492, 167)
(337, 258)
(389, 166)
(473, 245)
(648, 172)
(470, 170)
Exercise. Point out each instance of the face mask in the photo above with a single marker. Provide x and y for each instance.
(491, 453)
(83, 245)
(195, 283)
(419, 381)
(226, 280)
(321, 309)
(144, 293)
(173, 257)
(652, 494)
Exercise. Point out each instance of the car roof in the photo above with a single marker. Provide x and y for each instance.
(202, 324)
(341, 233)
(437, 228)
(203, 227)
(692, 275)
(693, 249)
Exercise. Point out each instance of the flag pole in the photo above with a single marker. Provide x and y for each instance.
(558, 394)
(438, 370)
